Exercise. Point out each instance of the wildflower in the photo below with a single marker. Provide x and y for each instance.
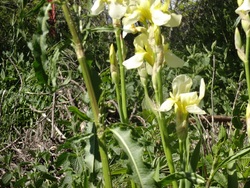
(244, 8)
(152, 11)
(182, 98)
(145, 50)
(184, 101)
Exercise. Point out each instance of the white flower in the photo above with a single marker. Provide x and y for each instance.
(152, 11)
(98, 7)
(117, 8)
(244, 8)
(184, 101)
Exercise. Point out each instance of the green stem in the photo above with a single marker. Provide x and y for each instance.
(247, 65)
(105, 163)
(166, 145)
(157, 84)
(212, 172)
(122, 73)
(82, 61)
(182, 160)
(213, 169)
(93, 102)
(118, 98)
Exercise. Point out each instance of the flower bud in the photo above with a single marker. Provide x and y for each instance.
(143, 74)
(237, 39)
(181, 124)
(246, 25)
(157, 35)
(113, 65)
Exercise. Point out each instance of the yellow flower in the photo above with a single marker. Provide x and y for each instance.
(151, 11)
(145, 51)
(184, 101)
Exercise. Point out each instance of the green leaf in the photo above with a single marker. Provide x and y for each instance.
(41, 76)
(92, 155)
(82, 116)
(38, 46)
(232, 173)
(34, 10)
(222, 134)
(100, 29)
(194, 178)
(48, 177)
(221, 179)
(233, 157)
(195, 157)
(41, 168)
(6, 177)
(62, 158)
(143, 176)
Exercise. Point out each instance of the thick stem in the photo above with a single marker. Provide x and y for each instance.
(122, 73)
(247, 66)
(182, 159)
(166, 145)
(93, 102)
(105, 163)
(82, 61)
(118, 98)
(157, 84)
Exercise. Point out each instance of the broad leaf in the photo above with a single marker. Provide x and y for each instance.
(233, 157)
(143, 176)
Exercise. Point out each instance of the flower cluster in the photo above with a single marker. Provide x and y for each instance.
(150, 14)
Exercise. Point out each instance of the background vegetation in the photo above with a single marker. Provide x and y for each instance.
(45, 138)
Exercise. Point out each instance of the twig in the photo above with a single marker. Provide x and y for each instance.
(216, 118)
(9, 145)
(236, 95)
(212, 94)
(53, 116)
(1, 102)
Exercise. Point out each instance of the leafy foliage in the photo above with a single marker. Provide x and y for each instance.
(54, 142)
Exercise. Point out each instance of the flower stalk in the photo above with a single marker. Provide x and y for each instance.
(121, 58)
(243, 12)
(93, 102)
(157, 84)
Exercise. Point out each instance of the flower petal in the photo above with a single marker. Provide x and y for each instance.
(181, 84)
(202, 89)
(172, 60)
(98, 7)
(159, 18)
(167, 105)
(194, 109)
(189, 98)
(244, 8)
(130, 19)
(135, 61)
(116, 10)
(174, 21)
